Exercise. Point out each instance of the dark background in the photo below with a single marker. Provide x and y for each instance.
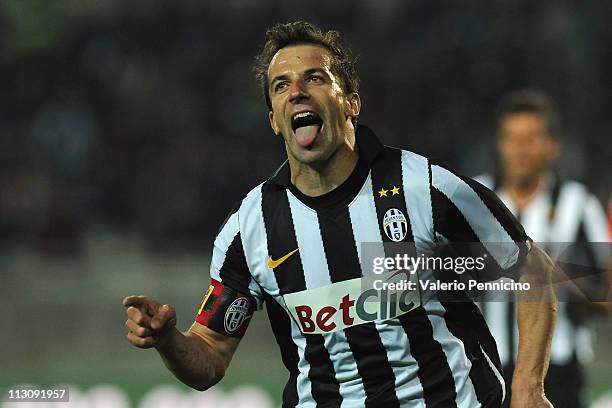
(145, 115)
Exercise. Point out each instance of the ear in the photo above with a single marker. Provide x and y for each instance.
(353, 105)
(273, 123)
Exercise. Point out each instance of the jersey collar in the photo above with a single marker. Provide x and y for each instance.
(370, 147)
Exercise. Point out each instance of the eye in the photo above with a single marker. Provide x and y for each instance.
(315, 78)
(280, 86)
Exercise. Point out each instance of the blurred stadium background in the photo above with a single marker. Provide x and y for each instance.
(129, 128)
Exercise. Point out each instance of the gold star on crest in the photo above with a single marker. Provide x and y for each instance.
(383, 192)
(395, 190)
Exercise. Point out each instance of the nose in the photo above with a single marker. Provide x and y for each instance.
(297, 92)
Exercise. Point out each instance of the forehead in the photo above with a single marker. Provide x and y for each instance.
(523, 120)
(299, 57)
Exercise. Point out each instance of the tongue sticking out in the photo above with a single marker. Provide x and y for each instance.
(306, 135)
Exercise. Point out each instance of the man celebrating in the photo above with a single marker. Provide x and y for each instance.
(552, 211)
(297, 244)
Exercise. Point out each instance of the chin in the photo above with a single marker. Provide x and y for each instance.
(314, 156)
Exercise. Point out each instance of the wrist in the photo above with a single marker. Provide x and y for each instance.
(165, 339)
(531, 382)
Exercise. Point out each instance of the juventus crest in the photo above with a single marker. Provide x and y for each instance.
(395, 225)
(236, 314)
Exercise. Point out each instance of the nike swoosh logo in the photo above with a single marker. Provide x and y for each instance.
(273, 264)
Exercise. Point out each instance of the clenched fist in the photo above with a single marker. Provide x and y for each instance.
(149, 322)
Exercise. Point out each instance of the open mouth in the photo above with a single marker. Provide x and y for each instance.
(306, 126)
(305, 119)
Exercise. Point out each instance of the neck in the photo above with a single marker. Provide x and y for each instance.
(315, 179)
(523, 189)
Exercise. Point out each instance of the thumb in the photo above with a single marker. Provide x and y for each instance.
(165, 318)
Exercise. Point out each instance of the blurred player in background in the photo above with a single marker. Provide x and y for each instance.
(294, 243)
(550, 210)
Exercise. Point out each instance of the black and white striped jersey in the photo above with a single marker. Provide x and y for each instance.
(301, 257)
(563, 212)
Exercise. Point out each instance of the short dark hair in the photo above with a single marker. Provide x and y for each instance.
(531, 100)
(343, 63)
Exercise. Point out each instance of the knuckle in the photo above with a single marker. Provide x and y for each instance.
(132, 311)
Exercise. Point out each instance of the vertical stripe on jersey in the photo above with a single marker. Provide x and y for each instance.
(365, 225)
(565, 224)
(481, 374)
(499, 374)
(280, 235)
(415, 169)
(366, 230)
(461, 319)
(434, 372)
(281, 328)
(290, 277)
(317, 274)
(364, 340)
(339, 245)
(387, 174)
(416, 173)
(496, 315)
(271, 212)
(325, 387)
(308, 237)
(456, 354)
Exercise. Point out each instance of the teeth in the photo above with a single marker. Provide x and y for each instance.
(303, 115)
(307, 118)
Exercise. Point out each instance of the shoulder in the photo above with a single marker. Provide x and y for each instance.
(266, 197)
(252, 200)
(486, 179)
(573, 187)
(249, 207)
(413, 166)
(569, 193)
(419, 171)
(579, 195)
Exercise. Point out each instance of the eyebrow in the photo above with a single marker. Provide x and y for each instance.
(306, 72)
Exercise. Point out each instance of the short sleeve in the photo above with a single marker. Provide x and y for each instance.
(228, 264)
(233, 294)
(469, 215)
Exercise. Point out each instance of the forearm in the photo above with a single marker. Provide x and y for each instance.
(536, 319)
(536, 324)
(190, 360)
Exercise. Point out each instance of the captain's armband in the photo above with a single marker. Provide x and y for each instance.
(225, 310)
